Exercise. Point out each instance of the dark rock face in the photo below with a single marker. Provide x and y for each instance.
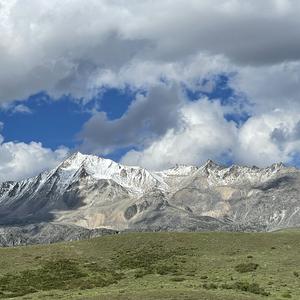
(47, 233)
(130, 212)
(86, 193)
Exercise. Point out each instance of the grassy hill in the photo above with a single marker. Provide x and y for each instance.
(211, 266)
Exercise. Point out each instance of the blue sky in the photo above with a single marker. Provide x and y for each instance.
(223, 92)
(53, 123)
(132, 83)
(56, 122)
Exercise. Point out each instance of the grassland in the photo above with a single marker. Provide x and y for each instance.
(211, 266)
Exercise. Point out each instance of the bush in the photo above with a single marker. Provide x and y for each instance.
(164, 268)
(244, 286)
(150, 259)
(144, 257)
(253, 288)
(142, 272)
(246, 267)
(286, 295)
(210, 286)
(177, 279)
(226, 286)
(62, 274)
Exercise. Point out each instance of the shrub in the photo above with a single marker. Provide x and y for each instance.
(246, 267)
(286, 295)
(245, 286)
(226, 286)
(210, 286)
(165, 268)
(143, 257)
(177, 279)
(142, 272)
(57, 274)
(253, 288)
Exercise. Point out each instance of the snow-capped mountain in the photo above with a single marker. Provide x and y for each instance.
(91, 192)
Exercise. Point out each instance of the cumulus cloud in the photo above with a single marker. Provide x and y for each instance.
(14, 108)
(284, 134)
(270, 87)
(203, 133)
(78, 46)
(21, 108)
(269, 138)
(149, 116)
(20, 160)
(81, 47)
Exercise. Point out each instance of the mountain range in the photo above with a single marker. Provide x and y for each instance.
(87, 196)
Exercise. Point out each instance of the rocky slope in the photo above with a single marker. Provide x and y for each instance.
(86, 193)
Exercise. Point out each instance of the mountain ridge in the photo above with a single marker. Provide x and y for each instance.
(93, 192)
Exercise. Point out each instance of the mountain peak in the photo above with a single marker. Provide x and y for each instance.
(210, 164)
(80, 165)
(76, 154)
(74, 160)
(279, 165)
(77, 159)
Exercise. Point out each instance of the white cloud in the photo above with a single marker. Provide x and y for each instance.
(80, 46)
(20, 160)
(22, 109)
(203, 134)
(14, 108)
(269, 138)
(270, 87)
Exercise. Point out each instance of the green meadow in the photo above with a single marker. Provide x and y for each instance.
(211, 266)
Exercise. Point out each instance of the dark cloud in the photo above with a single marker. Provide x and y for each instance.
(282, 135)
(65, 47)
(147, 117)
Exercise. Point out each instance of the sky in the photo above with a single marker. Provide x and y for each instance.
(152, 83)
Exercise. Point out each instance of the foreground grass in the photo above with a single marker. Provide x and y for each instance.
(211, 266)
